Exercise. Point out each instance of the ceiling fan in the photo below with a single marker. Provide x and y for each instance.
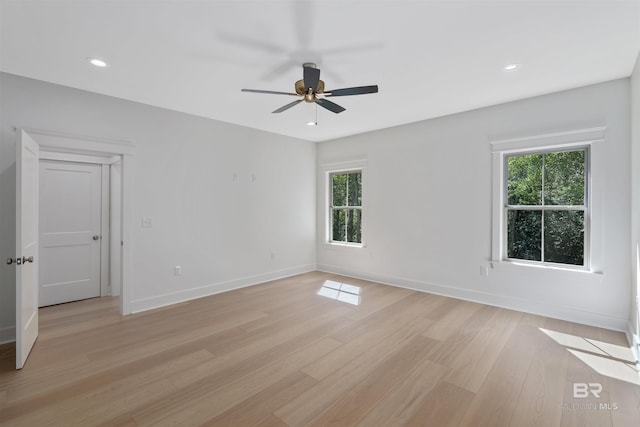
(311, 88)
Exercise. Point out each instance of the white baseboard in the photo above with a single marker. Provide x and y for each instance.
(150, 303)
(629, 333)
(513, 303)
(7, 334)
(634, 341)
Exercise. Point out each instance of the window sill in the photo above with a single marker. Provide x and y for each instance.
(506, 265)
(344, 245)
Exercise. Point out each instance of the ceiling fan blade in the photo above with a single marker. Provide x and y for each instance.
(268, 91)
(311, 78)
(360, 90)
(289, 105)
(331, 106)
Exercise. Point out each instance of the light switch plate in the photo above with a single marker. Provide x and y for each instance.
(147, 222)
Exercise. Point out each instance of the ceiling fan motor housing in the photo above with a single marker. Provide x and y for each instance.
(302, 91)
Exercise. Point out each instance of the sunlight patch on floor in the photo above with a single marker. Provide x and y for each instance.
(340, 292)
(611, 360)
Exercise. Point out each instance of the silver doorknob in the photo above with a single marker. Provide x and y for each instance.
(96, 237)
(10, 261)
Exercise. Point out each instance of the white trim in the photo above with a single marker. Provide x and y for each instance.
(550, 140)
(630, 335)
(151, 303)
(126, 242)
(115, 236)
(343, 166)
(521, 266)
(7, 334)
(570, 314)
(113, 151)
(325, 171)
(591, 138)
(78, 158)
(80, 144)
(105, 232)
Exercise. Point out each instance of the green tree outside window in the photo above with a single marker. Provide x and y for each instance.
(546, 196)
(346, 207)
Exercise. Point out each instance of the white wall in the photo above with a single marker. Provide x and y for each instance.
(428, 207)
(634, 317)
(224, 233)
(428, 220)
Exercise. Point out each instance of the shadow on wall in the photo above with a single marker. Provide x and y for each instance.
(7, 230)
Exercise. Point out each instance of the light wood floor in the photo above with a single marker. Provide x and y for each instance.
(278, 354)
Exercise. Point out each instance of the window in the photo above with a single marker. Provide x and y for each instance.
(345, 206)
(546, 213)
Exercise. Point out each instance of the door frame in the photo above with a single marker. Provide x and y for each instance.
(106, 237)
(117, 156)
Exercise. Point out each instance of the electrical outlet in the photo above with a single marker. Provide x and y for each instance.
(177, 270)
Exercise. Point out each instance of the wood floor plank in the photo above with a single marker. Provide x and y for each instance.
(455, 315)
(364, 396)
(443, 406)
(624, 399)
(261, 350)
(472, 365)
(361, 343)
(279, 354)
(378, 301)
(272, 421)
(497, 397)
(308, 405)
(380, 319)
(584, 412)
(107, 389)
(260, 406)
(206, 406)
(401, 402)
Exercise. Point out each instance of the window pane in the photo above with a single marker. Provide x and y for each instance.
(524, 179)
(354, 193)
(339, 190)
(354, 217)
(347, 189)
(564, 181)
(564, 237)
(339, 233)
(524, 235)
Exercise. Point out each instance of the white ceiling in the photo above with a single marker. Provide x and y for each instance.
(429, 58)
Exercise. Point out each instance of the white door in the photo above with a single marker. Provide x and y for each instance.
(70, 223)
(26, 247)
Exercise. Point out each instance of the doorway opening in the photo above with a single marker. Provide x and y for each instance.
(31, 146)
(74, 229)
(114, 160)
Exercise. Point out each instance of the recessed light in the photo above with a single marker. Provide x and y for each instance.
(511, 67)
(97, 62)
(312, 123)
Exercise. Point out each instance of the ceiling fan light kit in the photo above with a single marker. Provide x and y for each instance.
(311, 89)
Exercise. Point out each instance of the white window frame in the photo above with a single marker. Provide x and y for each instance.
(545, 208)
(327, 171)
(590, 139)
